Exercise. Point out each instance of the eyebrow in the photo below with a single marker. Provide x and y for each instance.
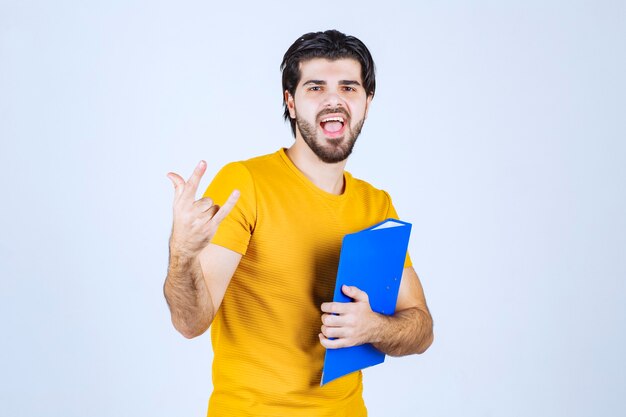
(322, 82)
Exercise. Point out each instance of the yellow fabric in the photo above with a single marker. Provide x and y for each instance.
(267, 356)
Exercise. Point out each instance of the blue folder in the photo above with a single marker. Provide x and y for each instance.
(373, 261)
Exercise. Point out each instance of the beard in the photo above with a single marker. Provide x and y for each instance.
(330, 151)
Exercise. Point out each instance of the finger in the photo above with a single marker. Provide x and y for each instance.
(203, 204)
(334, 307)
(331, 320)
(178, 181)
(331, 343)
(210, 213)
(227, 207)
(355, 293)
(333, 332)
(194, 180)
(205, 217)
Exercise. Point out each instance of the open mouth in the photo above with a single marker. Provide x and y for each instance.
(333, 126)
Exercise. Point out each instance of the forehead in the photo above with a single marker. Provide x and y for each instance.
(327, 70)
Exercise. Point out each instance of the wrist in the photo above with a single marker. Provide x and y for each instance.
(181, 255)
(377, 327)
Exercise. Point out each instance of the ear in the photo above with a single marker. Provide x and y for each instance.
(367, 104)
(290, 104)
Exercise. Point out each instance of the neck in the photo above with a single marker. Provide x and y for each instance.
(328, 177)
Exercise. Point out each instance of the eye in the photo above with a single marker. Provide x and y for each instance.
(348, 88)
(315, 88)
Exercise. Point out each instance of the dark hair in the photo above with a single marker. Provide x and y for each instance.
(331, 45)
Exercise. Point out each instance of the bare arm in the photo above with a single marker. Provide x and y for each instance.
(193, 299)
(187, 295)
(198, 272)
(409, 330)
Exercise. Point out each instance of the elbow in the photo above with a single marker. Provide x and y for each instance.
(191, 326)
(425, 344)
(189, 322)
(427, 337)
(189, 334)
(189, 331)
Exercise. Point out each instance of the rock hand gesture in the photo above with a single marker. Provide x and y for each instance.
(195, 222)
(198, 272)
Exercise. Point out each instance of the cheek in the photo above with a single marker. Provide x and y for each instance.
(307, 110)
(357, 106)
(357, 110)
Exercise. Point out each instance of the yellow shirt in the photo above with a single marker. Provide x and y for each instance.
(267, 356)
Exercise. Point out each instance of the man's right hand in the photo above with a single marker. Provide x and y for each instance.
(195, 221)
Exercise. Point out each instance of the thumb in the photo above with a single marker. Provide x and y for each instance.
(355, 293)
(178, 181)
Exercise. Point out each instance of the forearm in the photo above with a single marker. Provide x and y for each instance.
(187, 295)
(406, 332)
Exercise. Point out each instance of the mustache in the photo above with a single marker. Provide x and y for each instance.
(333, 111)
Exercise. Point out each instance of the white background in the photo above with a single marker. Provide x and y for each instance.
(498, 128)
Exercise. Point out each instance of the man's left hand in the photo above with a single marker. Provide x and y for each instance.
(349, 324)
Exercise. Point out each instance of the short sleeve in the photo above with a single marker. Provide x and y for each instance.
(392, 214)
(236, 229)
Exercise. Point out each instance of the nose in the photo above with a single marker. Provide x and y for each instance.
(332, 100)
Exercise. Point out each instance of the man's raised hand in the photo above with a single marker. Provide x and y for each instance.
(195, 221)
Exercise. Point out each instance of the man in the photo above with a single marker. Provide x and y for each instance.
(261, 267)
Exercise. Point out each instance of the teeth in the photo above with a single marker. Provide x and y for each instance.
(333, 119)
